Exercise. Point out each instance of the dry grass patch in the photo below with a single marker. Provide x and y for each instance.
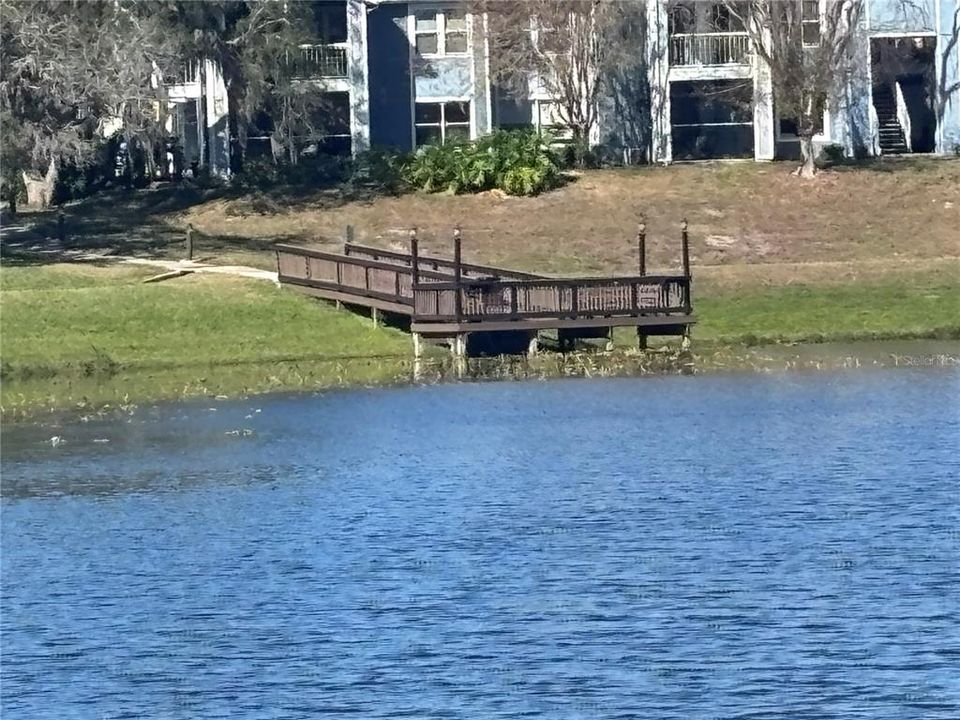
(738, 212)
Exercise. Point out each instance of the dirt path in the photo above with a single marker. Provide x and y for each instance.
(192, 266)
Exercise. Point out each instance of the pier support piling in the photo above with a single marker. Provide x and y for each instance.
(417, 346)
(458, 345)
(533, 347)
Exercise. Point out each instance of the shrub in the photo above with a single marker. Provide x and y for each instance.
(832, 154)
(517, 162)
(579, 153)
(264, 173)
(379, 169)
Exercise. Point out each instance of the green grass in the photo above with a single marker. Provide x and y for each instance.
(895, 308)
(69, 277)
(85, 336)
(77, 335)
(59, 320)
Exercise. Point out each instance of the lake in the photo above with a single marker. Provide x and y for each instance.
(739, 546)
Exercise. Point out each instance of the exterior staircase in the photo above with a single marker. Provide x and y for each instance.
(892, 140)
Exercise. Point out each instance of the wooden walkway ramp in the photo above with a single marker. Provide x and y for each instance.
(451, 299)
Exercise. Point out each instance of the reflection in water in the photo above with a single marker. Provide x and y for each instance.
(669, 547)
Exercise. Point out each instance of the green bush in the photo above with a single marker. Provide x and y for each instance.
(832, 154)
(379, 169)
(517, 162)
(264, 173)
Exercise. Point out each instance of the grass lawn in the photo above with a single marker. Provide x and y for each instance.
(739, 213)
(896, 308)
(871, 252)
(78, 334)
(75, 333)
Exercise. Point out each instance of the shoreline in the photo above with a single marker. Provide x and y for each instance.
(65, 397)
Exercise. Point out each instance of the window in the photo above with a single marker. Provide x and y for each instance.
(427, 40)
(446, 122)
(455, 31)
(331, 23)
(810, 22)
(727, 18)
(682, 19)
(440, 32)
(790, 126)
(550, 35)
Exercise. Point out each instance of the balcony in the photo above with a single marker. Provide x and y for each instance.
(321, 62)
(715, 48)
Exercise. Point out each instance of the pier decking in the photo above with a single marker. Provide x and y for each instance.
(451, 299)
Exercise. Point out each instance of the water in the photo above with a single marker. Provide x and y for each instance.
(710, 547)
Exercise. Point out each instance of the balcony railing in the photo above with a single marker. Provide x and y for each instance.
(185, 73)
(722, 48)
(321, 61)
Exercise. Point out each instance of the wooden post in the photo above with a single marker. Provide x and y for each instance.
(414, 269)
(687, 301)
(457, 273)
(375, 316)
(61, 228)
(533, 346)
(414, 259)
(190, 241)
(685, 239)
(417, 350)
(642, 245)
(347, 238)
(641, 339)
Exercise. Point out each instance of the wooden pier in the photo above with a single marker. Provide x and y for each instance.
(461, 303)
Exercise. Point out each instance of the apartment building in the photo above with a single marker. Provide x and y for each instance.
(402, 74)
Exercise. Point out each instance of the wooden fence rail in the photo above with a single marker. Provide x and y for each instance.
(434, 263)
(545, 298)
(450, 296)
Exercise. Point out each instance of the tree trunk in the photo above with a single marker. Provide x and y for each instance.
(808, 168)
(40, 189)
(581, 145)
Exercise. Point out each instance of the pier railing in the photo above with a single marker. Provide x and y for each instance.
(375, 273)
(427, 262)
(568, 298)
(437, 290)
(358, 276)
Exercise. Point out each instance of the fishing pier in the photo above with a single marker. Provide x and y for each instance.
(480, 309)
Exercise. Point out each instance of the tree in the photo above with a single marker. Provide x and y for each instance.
(572, 48)
(807, 46)
(272, 77)
(257, 44)
(70, 71)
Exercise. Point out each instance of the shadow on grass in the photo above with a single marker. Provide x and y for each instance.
(886, 164)
(138, 222)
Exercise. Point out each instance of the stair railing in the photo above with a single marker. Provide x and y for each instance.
(874, 130)
(903, 116)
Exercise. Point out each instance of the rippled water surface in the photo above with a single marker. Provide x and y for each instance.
(710, 547)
